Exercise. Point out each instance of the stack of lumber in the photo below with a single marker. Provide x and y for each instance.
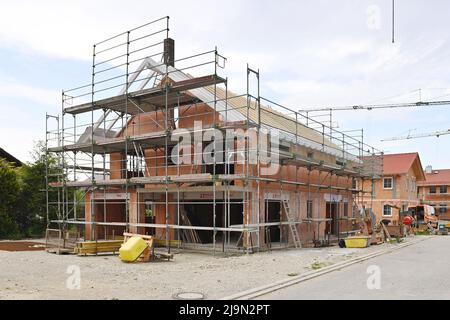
(96, 247)
(188, 235)
(163, 243)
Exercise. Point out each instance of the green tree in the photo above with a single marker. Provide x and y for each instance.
(9, 196)
(32, 211)
(23, 203)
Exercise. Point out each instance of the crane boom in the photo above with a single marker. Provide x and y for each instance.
(417, 136)
(382, 106)
(390, 106)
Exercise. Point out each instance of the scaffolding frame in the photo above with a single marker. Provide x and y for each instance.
(105, 123)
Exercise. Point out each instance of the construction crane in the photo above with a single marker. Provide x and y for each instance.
(371, 107)
(417, 136)
(381, 106)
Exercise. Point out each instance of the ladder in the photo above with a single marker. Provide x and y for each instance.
(292, 224)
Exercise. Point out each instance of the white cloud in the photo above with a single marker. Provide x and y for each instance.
(42, 97)
(69, 29)
(22, 116)
(340, 49)
(311, 54)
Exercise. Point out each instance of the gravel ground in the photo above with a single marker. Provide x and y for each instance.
(41, 275)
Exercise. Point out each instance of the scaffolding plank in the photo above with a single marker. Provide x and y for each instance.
(297, 160)
(150, 99)
(119, 144)
(196, 189)
(89, 183)
(203, 177)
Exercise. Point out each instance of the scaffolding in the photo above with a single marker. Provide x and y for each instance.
(120, 165)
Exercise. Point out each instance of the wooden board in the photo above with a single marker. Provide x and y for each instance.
(60, 251)
(95, 247)
(163, 255)
(386, 232)
(172, 243)
(99, 244)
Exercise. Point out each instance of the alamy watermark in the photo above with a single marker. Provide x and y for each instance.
(374, 280)
(373, 13)
(73, 282)
(231, 146)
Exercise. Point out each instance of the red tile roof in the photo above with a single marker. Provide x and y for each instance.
(399, 163)
(436, 178)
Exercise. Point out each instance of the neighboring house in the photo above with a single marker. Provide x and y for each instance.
(397, 190)
(434, 191)
(10, 158)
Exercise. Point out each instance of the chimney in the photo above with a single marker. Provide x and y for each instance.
(429, 169)
(169, 52)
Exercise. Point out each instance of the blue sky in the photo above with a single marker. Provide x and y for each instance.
(310, 53)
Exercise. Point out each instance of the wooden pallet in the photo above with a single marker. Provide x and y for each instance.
(60, 242)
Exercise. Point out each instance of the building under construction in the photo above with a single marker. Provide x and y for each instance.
(157, 145)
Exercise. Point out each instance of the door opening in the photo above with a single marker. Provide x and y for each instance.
(332, 213)
(273, 215)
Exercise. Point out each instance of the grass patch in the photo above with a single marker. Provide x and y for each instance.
(396, 240)
(293, 274)
(423, 233)
(317, 265)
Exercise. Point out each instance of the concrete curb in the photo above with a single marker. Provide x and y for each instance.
(256, 292)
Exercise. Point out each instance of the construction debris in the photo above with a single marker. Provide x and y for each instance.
(141, 248)
(135, 248)
(357, 242)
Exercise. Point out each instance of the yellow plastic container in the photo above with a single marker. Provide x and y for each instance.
(132, 249)
(357, 242)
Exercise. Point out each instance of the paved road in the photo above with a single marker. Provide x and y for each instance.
(420, 271)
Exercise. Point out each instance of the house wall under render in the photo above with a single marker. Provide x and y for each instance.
(314, 195)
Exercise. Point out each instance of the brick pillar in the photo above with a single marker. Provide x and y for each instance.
(136, 213)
